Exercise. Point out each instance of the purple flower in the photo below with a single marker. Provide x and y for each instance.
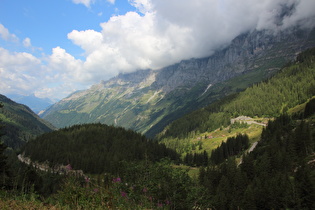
(95, 190)
(115, 180)
(145, 190)
(123, 194)
(159, 204)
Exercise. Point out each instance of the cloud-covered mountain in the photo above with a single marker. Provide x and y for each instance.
(148, 100)
(152, 35)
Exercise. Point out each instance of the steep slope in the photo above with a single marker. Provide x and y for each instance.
(148, 100)
(293, 85)
(20, 123)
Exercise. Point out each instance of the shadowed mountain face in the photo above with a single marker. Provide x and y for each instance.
(148, 100)
(20, 123)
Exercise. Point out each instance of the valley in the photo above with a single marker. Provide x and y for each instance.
(245, 141)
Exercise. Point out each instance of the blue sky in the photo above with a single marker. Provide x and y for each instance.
(52, 48)
(47, 22)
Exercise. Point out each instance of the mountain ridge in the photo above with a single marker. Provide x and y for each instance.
(146, 100)
(20, 123)
(34, 103)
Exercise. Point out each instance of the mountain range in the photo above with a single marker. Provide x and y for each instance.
(148, 100)
(276, 172)
(34, 103)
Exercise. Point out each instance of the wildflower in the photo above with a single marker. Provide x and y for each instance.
(68, 167)
(123, 194)
(115, 180)
(95, 190)
(145, 190)
(159, 204)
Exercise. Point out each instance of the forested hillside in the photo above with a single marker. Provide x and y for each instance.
(278, 174)
(94, 148)
(293, 85)
(20, 123)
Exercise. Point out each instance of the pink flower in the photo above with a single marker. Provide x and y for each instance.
(69, 167)
(95, 190)
(145, 190)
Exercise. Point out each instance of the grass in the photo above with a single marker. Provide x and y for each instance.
(299, 109)
(10, 201)
(253, 131)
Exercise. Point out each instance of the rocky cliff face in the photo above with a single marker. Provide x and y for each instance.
(147, 100)
(247, 52)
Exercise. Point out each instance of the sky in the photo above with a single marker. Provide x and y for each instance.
(52, 48)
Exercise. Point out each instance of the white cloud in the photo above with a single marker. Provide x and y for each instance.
(19, 72)
(27, 42)
(166, 32)
(23, 73)
(111, 1)
(6, 35)
(143, 6)
(86, 3)
(304, 10)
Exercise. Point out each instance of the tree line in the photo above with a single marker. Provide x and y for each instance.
(95, 148)
(232, 147)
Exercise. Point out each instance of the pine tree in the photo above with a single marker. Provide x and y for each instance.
(3, 161)
(305, 188)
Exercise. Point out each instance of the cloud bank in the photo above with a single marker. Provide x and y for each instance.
(158, 33)
(161, 33)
